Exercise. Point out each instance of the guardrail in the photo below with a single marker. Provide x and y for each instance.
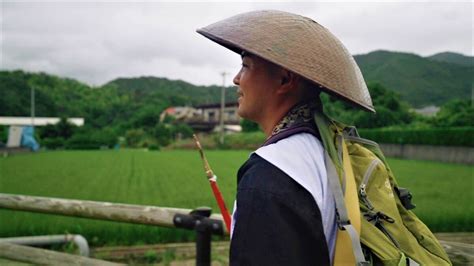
(199, 220)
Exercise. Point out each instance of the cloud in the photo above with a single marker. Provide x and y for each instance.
(97, 42)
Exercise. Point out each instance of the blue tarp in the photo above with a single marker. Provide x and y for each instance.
(28, 138)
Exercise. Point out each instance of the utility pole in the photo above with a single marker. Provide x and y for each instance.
(221, 116)
(32, 106)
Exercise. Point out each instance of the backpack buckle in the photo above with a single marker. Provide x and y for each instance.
(342, 223)
(405, 198)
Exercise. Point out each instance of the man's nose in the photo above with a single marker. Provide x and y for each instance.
(236, 79)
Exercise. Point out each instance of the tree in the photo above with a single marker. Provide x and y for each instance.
(63, 129)
(390, 110)
(455, 113)
(183, 130)
(134, 136)
(163, 134)
(3, 134)
(249, 126)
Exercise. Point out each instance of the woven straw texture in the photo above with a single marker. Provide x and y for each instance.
(298, 44)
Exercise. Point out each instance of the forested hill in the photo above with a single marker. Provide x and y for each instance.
(123, 102)
(176, 92)
(420, 81)
(454, 58)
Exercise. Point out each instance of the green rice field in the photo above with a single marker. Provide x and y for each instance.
(442, 192)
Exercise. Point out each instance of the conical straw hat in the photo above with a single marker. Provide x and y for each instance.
(298, 44)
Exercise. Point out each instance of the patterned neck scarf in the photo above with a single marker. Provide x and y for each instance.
(299, 119)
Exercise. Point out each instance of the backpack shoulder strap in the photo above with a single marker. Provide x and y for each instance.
(345, 196)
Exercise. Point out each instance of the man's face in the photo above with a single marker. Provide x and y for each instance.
(257, 82)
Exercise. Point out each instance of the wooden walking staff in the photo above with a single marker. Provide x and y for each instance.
(213, 182)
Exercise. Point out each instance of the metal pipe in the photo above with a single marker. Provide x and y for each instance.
(78, 240)
(38, 256)
(137, 214)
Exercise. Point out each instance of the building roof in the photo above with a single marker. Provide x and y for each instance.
(37, 121)
(216, 105)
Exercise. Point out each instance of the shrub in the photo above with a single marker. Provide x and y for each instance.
(134, 136)
(3, 134)
(249, 126)
(248, 140)
(183, 130)
(154, 147)
(461, 136)
(91, 140)
(83, 142)
(163, 134)
(62, 129)
(53, 143)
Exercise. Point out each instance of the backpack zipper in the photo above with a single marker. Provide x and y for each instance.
(365, 180)
(375, 217)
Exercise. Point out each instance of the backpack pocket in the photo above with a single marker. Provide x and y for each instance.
(388, 228)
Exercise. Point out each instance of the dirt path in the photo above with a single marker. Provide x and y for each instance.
(459, 246)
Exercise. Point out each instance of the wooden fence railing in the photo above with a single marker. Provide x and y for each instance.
(136, 214)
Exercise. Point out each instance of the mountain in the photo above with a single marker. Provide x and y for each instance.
(177, 92)
(122, 103)
(419, 81)
(453, 58)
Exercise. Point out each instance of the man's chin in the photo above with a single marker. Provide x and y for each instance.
(241, 112)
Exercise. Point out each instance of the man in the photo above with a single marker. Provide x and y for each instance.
(285, 212)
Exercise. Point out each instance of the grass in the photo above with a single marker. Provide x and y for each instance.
(442, 192)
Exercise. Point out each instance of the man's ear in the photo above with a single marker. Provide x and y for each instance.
(289, 81)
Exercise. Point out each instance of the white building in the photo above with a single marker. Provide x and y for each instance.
(17, 123)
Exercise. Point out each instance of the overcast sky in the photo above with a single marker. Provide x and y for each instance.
(96, 42)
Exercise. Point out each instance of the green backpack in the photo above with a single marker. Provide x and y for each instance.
(390, 234)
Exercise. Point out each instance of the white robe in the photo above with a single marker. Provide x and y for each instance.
(301, 156)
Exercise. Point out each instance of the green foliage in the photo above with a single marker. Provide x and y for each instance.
(455, 113)
(120, 106)
(53, 143)
(48, 131)
(432, 136)
(64, 129)
(150, 256)
(154, 147)
(182, 130)
(3, 134)
(177, 92)
(167, 133)
(453, 58)
(390, 110)
(163, 134)
(66, 135)
(249, 140)
(442, 192)
(134, 136)
(146, 117)
(55, 136)
(249, 126)
(83, 142)
(88, 139)
(419, 81)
